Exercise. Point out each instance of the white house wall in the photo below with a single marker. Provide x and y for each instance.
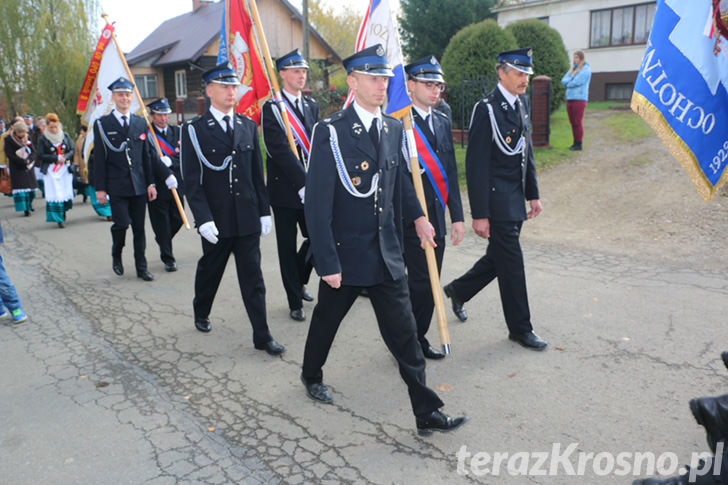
(571, 18)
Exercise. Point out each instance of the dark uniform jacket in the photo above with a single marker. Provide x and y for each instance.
(113, 171)
(235, 198)
(162, 172)
(21, 176)
(441, 143)
(48, 155)
(361, 238)
(286, 174)
(498, 184)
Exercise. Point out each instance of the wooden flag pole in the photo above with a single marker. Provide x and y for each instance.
(253, 9)
(429, 250)
(149, 123)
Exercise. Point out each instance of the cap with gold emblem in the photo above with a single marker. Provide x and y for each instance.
(121, 85)
(519, 59)
(371, 61)
(222, 74)
(425, 69)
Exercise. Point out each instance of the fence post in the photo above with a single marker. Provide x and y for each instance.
(462, 109)
(541, 110)
(179, 108)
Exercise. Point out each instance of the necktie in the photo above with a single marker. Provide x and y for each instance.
(124, 125)
(374, 133)
(298, 106)
(228, 129)
(516, 105)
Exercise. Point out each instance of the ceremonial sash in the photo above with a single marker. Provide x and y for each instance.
(431, 163)
(163, 144)
(299, 131)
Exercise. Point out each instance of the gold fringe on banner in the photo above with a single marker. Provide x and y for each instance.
(677, 147)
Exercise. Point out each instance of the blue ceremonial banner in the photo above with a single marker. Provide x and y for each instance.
(681, 90)
(222, 52)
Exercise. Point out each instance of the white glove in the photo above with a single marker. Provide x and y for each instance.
(166, 161)
(302, 194)
(171, 182)
(266, 223)
(209, 231)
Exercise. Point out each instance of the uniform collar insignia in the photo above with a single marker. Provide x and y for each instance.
(504, 105)
(385, 127)
(357, 128)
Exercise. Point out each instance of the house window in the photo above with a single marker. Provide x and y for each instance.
(147, 85)
(619, 91)
(621, 26)
(180, 84)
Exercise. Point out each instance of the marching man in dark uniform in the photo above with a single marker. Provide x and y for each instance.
(163, 213)
(356, 197)
(123, 164)
(287, 176)
(224, 185)
(433, 135)
(501, 176)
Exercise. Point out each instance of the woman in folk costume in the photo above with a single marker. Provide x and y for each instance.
(55, 152)
(21, 160)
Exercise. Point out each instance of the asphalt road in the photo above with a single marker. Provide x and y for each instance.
(109, 382)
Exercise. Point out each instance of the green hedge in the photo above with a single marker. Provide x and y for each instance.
(549, 54)
(473, 50)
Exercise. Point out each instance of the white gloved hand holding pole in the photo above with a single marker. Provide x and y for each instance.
(166, 161)
(171, 182)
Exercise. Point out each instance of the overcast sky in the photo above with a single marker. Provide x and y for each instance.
(136, 19)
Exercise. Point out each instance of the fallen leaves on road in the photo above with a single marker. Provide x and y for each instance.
(444, 387)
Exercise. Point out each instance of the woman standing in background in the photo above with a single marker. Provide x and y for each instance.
(577, 95)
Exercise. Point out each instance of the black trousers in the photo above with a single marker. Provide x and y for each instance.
(503, 260)
(210, 269)
(166, 222)
(295, 270)
(418, 280)
(126, 211)
(390, 301)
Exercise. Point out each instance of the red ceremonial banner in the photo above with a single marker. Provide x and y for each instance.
(243, 54)
(93, 69)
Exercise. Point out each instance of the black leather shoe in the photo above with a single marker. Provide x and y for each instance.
(117, 266)
(306, 295)
(431, 353)
(711, 412)
(529, 340)
(437, 421)
(272, 347)
(203, 324)
(298, 315)
(170, 267)
(318, 392)
(457, 305)
(145, 275)
(724, 356)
